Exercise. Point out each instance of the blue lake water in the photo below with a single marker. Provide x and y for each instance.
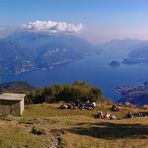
(93, 69)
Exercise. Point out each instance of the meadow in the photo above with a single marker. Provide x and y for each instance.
(46, 126)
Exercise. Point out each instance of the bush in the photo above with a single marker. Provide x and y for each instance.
(69, 93)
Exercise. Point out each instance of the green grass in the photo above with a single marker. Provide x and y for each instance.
(72, 129)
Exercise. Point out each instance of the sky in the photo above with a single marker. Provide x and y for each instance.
(102, 20)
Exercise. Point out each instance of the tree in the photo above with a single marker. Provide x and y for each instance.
(81, 91)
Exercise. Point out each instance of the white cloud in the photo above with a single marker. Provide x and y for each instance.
(51, 26)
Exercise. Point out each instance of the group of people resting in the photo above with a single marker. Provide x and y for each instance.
(91, 105)
(88, 105)
(105, 116)
(130, 115)
(100, 115)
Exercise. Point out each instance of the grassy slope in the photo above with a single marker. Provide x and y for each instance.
(72, 129)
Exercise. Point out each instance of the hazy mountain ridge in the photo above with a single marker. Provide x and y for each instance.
(127, 51)
(118, 46)
(141, 52)
(24, 51)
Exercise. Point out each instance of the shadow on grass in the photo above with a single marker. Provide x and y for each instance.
(109, 131)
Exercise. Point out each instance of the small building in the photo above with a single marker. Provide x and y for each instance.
(11, 103)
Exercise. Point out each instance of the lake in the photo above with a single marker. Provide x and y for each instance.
(93, 69)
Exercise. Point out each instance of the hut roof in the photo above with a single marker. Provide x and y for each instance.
(12, 96)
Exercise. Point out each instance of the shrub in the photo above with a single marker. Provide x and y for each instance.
(69, 93)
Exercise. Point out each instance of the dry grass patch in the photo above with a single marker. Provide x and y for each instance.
(73, 128)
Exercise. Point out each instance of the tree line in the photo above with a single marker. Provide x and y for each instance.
(78, 91)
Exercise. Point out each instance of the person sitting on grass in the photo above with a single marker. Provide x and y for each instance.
(77, 103)
(113, 117)
(82, 107)
(87, 103)
(64, 106)
(107, 116)
(100, 114)
(130, 115)
(115, 108)
(93, 104)
(140, 115)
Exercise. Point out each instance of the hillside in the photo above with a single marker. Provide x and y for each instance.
(14, 58)
(137, 95)
(72, 129)
(16, 86)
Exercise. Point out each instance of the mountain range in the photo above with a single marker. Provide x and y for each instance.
(25, 50)
(128, 51)
(120, 47)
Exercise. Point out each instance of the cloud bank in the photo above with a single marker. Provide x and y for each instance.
(51, 26)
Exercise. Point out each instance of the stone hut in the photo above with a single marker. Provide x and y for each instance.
(11, 103)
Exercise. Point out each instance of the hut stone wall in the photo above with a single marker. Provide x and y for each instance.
(11, 104)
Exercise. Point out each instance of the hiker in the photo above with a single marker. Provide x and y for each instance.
(107, 116)
(73, 105)
(64, 106)
(130, 115)
(70, 106)
(113, 117)
(82, 107)
(93, 105)
(115, 108)
(87, 103)
(99, 114)
(140, 115)
(77, 103)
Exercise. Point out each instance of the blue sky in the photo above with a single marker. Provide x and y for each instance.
(102, 19)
